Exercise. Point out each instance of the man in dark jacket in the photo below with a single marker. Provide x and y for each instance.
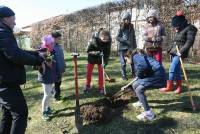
(184, 39)
(126, 40)
(12, 75)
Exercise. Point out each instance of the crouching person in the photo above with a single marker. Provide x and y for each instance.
(150, 74)
(46, 74)
(100, 43)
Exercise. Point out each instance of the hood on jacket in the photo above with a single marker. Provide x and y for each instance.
(153, 13)
(126, 15)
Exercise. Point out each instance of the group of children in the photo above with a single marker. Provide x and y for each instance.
(146, 64)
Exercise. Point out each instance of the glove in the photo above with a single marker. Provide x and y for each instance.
(146, 38)
(157, 39)
(178, 54)
(104, 66)
(128, 42)
(95, 52)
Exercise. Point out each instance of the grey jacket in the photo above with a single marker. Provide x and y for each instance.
(126, 38)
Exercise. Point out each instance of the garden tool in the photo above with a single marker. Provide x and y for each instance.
(108, 78)
(102, 63)
(187, 82)
(75, 55)
(78, 118)
(124, 89)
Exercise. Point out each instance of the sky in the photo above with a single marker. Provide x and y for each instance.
(31, 11)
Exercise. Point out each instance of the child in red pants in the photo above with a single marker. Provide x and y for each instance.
(100, 43)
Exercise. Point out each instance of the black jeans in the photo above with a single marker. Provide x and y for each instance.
(14, 111)
(57, 90)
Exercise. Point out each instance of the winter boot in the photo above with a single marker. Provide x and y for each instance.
(178, 87)
(169, 86)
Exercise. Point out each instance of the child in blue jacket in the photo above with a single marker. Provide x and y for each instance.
(60, 64)
(150, 74)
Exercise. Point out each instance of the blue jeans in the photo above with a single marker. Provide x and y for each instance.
(140, 92)
(123, 63)
(175, 69)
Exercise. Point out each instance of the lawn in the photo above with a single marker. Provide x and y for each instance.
(172, 117)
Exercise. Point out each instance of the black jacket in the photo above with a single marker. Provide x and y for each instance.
(13, 59)
(184, 40)
(96, 45)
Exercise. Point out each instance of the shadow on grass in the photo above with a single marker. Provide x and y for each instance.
(182, 104)
(124, 126)
(62, 112)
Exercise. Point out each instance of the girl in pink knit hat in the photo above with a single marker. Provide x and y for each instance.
(47, 74)
(48, 42)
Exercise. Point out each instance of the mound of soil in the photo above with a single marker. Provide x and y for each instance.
(105, 109)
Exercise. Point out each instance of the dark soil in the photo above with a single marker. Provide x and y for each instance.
(105, 109)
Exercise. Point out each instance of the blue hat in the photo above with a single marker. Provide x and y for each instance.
(6, 12)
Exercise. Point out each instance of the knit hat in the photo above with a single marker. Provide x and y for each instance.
(179, 13)
(48, 42)
(153, 13)
(127, 16)
(6, 12)
(179, 21)
(56, 34)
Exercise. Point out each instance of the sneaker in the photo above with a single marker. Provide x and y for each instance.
(49, 111)
(137, 104)
(86, 89)
(146, 116)
(57, 99)
(124, 78)
(45, 116)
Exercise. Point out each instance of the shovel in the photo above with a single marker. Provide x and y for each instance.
(108, 78)
(75, 55)
(102, 64)
(194, 107)
(123, 89)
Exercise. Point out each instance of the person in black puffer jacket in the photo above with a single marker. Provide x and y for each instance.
(184, 39)
(100, 42)
(12, 75)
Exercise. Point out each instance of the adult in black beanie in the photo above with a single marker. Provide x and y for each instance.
(184, 38)
(6, 12)
(12, 75)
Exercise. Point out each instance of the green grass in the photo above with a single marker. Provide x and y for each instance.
(171, 117)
